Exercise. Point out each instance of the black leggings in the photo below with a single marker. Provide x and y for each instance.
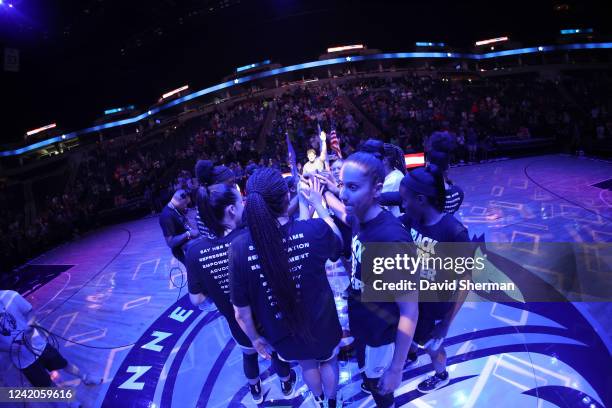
(381, 400)
(250, 365)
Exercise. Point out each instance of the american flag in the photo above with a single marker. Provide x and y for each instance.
(334, 142)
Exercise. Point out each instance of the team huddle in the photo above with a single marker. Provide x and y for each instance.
(261, 258)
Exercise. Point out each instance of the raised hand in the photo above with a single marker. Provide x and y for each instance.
(327, 180)
(315, 197)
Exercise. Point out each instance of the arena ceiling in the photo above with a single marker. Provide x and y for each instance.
(78, 58)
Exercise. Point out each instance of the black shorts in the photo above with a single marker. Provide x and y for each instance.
(38, 372)
(430, 314)
(422, 333)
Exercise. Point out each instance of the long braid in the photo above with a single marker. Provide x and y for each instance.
(266, 201)
(439, 200)
(395, 155)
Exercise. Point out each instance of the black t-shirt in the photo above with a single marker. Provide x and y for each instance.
(311, 244)
(346, 233)
(173, 223)
(207, 266)
(374, 323)
(426, 237)
(454, 198)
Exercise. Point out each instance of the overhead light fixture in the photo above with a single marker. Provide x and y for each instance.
(491, 41)
(177, 90)
(40, 129)
(346, 48)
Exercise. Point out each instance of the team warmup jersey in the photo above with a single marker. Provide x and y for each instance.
(208, 269)
(202, 228)
(373, 323)
(391, 184)
(172, 223)
(426, 237)
(310, 244)
(454, 199)
(208, 272)
(346, 233)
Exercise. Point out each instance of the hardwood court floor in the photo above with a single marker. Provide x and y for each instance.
(156, 351)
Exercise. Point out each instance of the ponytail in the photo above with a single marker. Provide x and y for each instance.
(211, 204)
(439, 199)
(266, 201)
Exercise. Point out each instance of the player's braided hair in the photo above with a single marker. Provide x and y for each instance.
(266, 201)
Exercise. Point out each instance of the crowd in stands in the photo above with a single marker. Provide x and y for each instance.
(140, 170)
(147, 167)
(480, 114)
(302, 111)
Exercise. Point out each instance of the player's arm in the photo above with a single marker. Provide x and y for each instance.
(458, 299)
(293, 206)
(336, 205)
(244, 317)
(197, 298)
(177, 240)
(323, 155)
(408, 305)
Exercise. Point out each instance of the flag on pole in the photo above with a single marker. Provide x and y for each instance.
(291, 155)
(334, 142)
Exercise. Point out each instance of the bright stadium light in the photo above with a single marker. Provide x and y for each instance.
(173, 92)
(346, 48)
(491, 41)
(40, 129)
